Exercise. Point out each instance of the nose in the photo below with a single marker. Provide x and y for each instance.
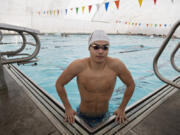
(100, 50)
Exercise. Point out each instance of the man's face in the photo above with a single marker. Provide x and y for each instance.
(99, 51)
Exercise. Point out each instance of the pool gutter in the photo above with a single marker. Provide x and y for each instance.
(55, 111)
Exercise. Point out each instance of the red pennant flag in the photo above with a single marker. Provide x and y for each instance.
(71, 9)
(58, 11)
(90, 6)
(154, 2)
(117, 3)
(147, 25)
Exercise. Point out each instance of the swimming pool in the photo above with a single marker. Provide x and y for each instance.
(136, 52)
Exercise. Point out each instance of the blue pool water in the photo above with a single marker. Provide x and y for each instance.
(58, 52)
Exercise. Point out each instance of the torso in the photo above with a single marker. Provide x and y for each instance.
(96, 88)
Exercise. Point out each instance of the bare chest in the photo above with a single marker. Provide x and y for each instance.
(97, 82)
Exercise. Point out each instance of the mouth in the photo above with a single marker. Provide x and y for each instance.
(100, 57)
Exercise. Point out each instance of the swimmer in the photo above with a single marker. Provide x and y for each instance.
(96, 78)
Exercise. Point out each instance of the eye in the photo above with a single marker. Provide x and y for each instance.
(105, 47)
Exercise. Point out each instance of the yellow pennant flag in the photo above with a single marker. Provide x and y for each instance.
(83, 9)
(140, 2)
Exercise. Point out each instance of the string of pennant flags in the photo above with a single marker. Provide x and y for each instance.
(138, 24)
(65, 11)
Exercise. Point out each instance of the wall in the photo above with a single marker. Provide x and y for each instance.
(130, 18)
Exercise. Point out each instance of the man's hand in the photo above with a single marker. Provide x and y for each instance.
(120, 115)
(70, 113)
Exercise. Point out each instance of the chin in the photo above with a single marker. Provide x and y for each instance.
(100, 60)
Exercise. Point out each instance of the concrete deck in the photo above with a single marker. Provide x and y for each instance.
(19, 115)
(165, 120)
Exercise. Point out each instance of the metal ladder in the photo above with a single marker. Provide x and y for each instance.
(22, 31)
(155, 61)
(27, 58)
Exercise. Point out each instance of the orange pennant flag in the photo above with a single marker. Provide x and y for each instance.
(83, 9)
(117, 3)
(90, 6)
(140, 2)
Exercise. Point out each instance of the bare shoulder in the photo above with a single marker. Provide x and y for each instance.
(77, 65)
(116, 64)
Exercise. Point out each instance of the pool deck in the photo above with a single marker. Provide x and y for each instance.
(19, 115)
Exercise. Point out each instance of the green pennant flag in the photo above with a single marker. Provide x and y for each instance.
(77, 10)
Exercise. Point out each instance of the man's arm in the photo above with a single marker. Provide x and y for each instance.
(68, 74)
(127, 79)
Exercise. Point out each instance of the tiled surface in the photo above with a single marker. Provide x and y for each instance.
(19, 115)
(165, 120)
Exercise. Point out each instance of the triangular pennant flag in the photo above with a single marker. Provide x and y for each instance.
(77, 10)
(71, 9)
(66, 10)
(165, 25)
(58, 11)
(106, 5)
(90, 6)
(117, 3)
(47, 12)
(54, 12)
(140, 2)
(83, 9)
(147, 25)
(154, 2)
(172, 1)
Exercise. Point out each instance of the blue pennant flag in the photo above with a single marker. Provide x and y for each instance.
(106, 5)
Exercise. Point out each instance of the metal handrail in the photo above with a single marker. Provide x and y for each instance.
(1, 36)
(164, 44)
(172, 58)
(11, 53)
(21, 31)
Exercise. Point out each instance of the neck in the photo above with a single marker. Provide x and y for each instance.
(97, 65)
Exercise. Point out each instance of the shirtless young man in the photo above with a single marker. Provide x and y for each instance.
(96, 78)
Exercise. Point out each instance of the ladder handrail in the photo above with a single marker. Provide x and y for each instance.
(4, 26)
(11, 53)
(172, 58)
(21, 31)
(164, 44)
(1, 36)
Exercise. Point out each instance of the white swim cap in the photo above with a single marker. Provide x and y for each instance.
(97, 35)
